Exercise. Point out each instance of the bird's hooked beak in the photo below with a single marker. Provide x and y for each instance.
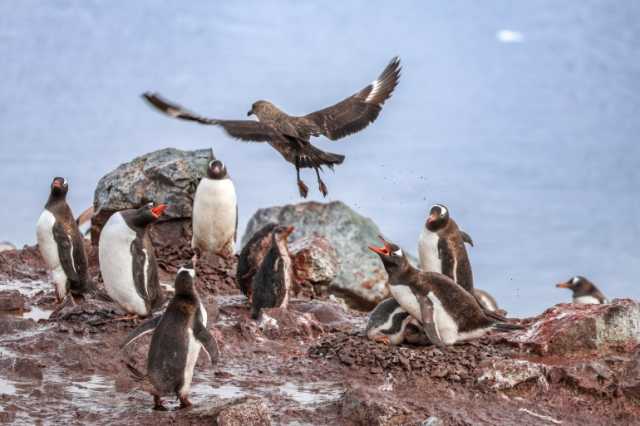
(385, 250)
(158, 210)
(564, 285)
(250, 113)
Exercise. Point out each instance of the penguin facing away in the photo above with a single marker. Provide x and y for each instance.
(61, 244)
(273, 281)
(178, 335)
(215, 212)
(441, 248)
(448, 313)
(251, 257)
(584, 291)
(127, 259)
(390, 324)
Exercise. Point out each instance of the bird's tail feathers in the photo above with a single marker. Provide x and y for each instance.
(317, 158)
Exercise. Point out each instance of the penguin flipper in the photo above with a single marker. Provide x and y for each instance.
(428, 323)
(144, 328)
(139, 257)
(65, 251)
(209, 343)
(466, 238)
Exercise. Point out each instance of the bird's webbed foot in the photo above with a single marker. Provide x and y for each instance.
(303, 188)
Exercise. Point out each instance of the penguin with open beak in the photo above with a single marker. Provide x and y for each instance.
(447, 312)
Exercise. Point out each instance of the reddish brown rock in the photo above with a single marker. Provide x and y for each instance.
(315, 262)
(11, 300)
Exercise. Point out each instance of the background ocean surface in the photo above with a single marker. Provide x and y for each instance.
(523, 118)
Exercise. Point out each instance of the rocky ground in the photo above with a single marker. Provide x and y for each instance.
(311, 364)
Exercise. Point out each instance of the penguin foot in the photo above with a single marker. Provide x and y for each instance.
(304, 189)
(382, 339)
(323, 189)
(184, 402)
(157, 404)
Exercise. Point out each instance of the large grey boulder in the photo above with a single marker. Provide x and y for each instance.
(361, 276)
(168, 176)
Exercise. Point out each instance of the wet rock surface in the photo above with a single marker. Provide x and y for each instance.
(309, 364)
(315, 263)
(361, 275)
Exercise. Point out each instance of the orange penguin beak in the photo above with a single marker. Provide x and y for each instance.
(563, 285)
(57, 184)
(432, 218)
(384, 250)
(158, 210)
(289, 230)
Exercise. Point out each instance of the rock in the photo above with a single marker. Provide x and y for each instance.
(6, 246)
(363, 407)
(630, 383)
(315, 262)
(11, 300)
(169, 176)
(568, 328)
(361, 276)
(505, 374)
(249, 411)
(432, 421)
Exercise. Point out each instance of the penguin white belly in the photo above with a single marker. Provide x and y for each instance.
(116, 265)
(407, 299)
(428, 253)
(586, 300)
(214, 215)
(49, 251)
(445, 325)
(384, 329)
(193, 350)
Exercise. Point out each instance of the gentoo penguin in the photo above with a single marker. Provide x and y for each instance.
(584, 291)
(441, 248)
(251, 257)
(61, 244)
(273, 281)
(215, 212)
(178, 335)
(390, 324)
(486, 300)
(128, 262)
(448, 313)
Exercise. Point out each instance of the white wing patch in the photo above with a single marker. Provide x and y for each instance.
(376, 87)
(144, 272)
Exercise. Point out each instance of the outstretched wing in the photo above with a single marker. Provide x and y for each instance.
(144, 328)
(357, 111)
(246, 130)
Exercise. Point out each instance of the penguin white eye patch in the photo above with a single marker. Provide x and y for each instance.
(398, 252)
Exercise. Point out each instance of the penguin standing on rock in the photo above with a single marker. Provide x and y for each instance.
(273, 281)
(584, 291)
(127, 259)
(441, 248)
(447, 312)
(61, 244)
(178, 336)
(251, 257)
(215, 212)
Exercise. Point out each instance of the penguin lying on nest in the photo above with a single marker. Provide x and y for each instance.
(62, 246)
(447, 312)
(272, 282)
(584, 291)
(390, 324)
(178, 335)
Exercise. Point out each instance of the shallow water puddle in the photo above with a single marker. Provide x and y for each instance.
(312, 393)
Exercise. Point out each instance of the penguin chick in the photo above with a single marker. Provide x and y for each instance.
(448, 313)
(215, 212)
(584, 291)
(251, 257)
(127, 259)
(272, 282)
(61, 244)
(388, 323)
(178, 335)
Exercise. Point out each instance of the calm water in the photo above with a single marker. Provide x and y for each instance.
(523, 119)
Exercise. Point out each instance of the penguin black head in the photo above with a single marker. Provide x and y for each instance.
(185, 279)
(59, 187)
(217, 170)
(438, 217)
(580, 286)
(391, 255)
(148, 214)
